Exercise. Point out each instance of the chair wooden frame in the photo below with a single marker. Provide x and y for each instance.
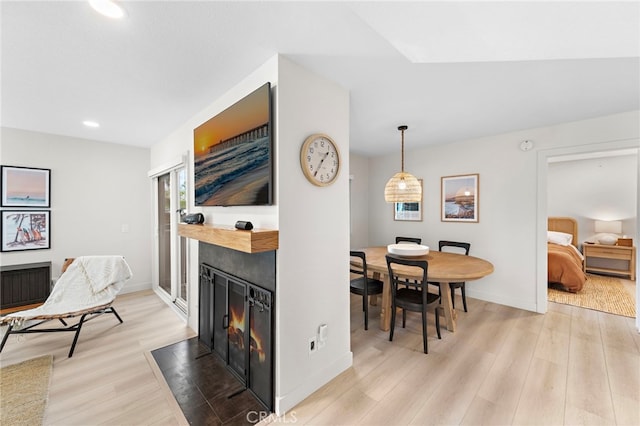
(363, 286)
(413, 299)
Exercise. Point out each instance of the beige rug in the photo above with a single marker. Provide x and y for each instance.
(601, 293)
(24, 388)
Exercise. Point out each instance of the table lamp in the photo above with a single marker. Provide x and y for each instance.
(609, 229)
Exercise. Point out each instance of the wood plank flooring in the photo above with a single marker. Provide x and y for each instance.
(109, 380)
(502, 366)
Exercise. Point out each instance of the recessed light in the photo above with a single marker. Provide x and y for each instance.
(90, 123)
(108, 8)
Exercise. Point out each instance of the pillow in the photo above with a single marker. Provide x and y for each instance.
(560, 238)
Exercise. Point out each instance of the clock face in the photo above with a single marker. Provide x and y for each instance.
(320, 159)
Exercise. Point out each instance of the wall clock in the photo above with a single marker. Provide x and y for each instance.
(320, 159)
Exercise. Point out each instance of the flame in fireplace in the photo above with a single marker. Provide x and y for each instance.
(257, 345)
(236, 327)
(236, 333)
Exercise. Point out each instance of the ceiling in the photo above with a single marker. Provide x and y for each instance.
(449, 70)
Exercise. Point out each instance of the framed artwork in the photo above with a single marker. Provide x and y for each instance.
(25, 230)
(25, 187)
(460, 198)
(408, 211)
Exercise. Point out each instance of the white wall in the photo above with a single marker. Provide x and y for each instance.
(359, 201)
(593, 189)
(312, 223)
(314, 237)
(507, 234)
(96, 189)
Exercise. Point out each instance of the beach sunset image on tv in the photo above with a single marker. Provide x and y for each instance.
(232, 154)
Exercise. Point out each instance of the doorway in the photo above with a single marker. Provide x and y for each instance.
(543, 203)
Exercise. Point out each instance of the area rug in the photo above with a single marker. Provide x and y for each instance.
(600, 293)
(24, 388)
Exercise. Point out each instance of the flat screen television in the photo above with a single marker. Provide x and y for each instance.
(233, 154)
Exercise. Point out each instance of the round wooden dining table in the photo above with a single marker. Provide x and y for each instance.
(443, 268)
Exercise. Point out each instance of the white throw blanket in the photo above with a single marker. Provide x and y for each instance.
(90, 281)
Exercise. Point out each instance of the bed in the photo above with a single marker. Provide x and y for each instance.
(564, 260)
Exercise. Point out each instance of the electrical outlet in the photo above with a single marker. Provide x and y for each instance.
(313, 345)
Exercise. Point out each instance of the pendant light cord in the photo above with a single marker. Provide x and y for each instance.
(402, 166)
(402, 129)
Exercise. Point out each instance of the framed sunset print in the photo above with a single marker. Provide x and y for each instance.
(460, 198)
(25, 187)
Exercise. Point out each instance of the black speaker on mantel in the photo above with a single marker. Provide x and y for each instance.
(193, 219)
(245, 226)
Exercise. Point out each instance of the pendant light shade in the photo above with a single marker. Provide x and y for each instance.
(403, 187)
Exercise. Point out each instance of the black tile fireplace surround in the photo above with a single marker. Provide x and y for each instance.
(236, 314)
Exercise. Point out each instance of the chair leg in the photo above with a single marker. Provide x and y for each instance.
(393, 321)
(404, 318)
(75, 338)
(113, 311)
(438, 323)
(6, 335)
(464, 298)
(424, 329)
(366, 312)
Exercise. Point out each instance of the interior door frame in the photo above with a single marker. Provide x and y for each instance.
(541, 214)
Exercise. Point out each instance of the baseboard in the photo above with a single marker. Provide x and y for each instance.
(508, 301)
(284, 403)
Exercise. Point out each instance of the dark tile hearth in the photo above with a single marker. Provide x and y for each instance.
(208, 394)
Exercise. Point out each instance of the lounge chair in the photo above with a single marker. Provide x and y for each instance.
(87, 288)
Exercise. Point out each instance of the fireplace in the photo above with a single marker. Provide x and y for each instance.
(237, 315)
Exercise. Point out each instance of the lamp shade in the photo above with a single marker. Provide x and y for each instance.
(611, 226)
(403, 188)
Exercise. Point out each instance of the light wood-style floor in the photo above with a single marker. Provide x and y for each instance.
(502, 366)
(109, 380)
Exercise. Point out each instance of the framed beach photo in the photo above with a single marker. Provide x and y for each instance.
(411, 212)
(25, 187)
(460, 198)
(25, 230)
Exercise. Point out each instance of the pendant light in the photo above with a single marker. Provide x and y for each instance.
(403, 187)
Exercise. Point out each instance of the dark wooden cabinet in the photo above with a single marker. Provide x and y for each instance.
(24, 285)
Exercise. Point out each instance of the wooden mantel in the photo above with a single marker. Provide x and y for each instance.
(254, 241)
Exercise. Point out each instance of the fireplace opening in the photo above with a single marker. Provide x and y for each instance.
(241, 314)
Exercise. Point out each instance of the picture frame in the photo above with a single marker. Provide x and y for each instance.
(25, 187)
(410, 212)
(460, 198)
(25, 230)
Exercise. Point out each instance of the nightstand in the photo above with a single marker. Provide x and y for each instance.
(627, 254)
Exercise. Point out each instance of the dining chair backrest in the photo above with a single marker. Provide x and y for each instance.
(396, 278)
(410, 240)
(456, 245)
(357, 269)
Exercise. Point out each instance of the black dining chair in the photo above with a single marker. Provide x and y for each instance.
(457, 245)
(415, 299)
(408, 240)
(363, 285)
